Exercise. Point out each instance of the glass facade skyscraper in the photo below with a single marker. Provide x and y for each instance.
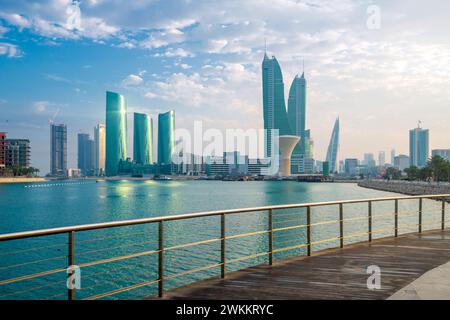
(85, 154)
(142, 139)
(100, 149)
(275, 115)
(166, 137)
(297, 112)
(116, 132)
(333, 147)
(58, 149)
(419, 150)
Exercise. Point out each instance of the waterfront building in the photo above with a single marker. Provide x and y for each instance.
(297, 112)
(275, 115)
(18, 152)
(369, 160)
(401, 162)
(443, 153)
(2, 149)
(418, 147)
(287, 145)
(58, 149)
(86, 151)
(166, 137)
(393, 154)
(142, 139)
(116, 132)
(381, 158)
(333, 147)
(351, 167)
(100, 149)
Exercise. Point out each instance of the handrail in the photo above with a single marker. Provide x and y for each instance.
(103, 225)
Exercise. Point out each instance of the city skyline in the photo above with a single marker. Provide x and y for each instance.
(174, 63)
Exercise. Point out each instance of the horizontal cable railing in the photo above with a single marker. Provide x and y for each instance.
(170, 253)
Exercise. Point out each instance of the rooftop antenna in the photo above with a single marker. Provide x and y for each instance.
(265, 45)
(419, 125)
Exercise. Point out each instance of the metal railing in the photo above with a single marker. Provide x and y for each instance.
(270, 228)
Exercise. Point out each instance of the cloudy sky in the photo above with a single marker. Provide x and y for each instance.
(203, 59)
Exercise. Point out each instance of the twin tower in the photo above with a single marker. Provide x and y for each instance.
(291, 122)
(116, 135)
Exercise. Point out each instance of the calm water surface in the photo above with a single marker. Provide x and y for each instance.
(56, 204)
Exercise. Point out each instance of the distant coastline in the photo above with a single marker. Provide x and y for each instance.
(21, 179)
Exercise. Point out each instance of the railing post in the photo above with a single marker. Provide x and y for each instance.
(443, 214)
(71, 262)
(222, 246)
(396, 218)
(308, 230)
(161, 258)
(370, 221)
(270, 237)
(420, 214)
(341, 224)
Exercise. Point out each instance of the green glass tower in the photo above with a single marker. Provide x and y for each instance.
(166, 137)
(275, 116)
(333, 148)
(419, 150)
(116, 132)
(142, 139)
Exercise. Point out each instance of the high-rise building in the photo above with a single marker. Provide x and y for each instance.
(297, 112)
(100, 149)
(2, 149)
(58, 149)
(166, 137)
(275, 115)
(443, 153)
(333, 147)
(351, 166)
(401, 162)
(116, 132)
(381, 158)
(18, 152)
(393, 154)
(369, 160)
(418, 147)
(85, 154)
(142, 139)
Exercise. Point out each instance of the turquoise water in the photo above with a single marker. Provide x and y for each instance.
(55, 204)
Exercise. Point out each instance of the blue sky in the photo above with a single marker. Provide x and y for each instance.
(202, 58)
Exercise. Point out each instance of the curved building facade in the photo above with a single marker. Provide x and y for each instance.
(275, 116)
(116, 132)
(297, 112)
(142, 139)
(166, 137)
(333, 148)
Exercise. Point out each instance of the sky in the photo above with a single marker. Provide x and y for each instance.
(381, 66)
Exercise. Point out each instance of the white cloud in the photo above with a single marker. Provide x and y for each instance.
(178, 52)
(10, 50)
(132, 80)
(41, 106)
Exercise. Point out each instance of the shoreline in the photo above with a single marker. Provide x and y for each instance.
(410, 188)
(22, 180)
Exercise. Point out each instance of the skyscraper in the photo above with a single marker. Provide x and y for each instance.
(116, 132)
(297, 112)
(393, 154)
(275, 116)
(369, 160)
(18, 152)
(142, 139)
(166, 137)
(58, 149)
(381, 158)
(85, 154)
(419, 147)
(333, 147)
(100, 149)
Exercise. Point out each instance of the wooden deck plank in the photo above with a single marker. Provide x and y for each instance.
(331, 274)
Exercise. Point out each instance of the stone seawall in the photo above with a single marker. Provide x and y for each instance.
(405, 187)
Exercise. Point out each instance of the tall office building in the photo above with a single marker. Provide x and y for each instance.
(369, 160)
(2, 149)
(297, 112)
(419, 147)
(275, 115)
(85, 154)
(393, 154)
(18, 152)
(351, 166)
(401, 162)
(166, 137)
(116, 132)
(58, 149)
(333, 147)
(381, 158)
(443, 153)
(142, 139)
(100, 149)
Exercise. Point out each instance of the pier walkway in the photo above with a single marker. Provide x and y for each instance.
(341, 273)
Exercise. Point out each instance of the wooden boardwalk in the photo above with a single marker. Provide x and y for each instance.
(331, 274)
